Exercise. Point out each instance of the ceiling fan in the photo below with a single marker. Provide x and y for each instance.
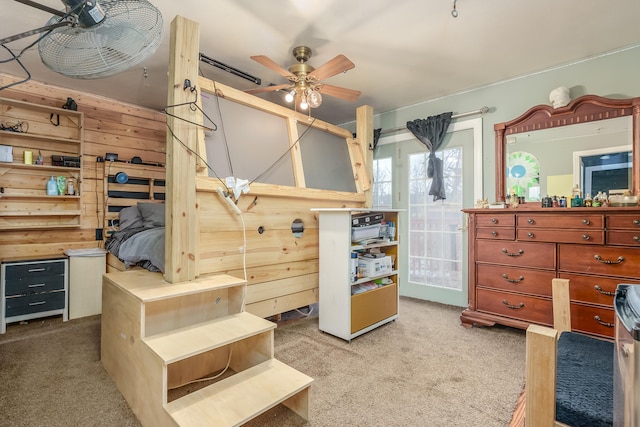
(92, 39)
(305, 86)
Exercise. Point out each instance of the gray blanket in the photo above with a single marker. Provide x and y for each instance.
(147, 245)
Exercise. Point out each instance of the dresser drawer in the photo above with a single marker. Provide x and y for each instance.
(537, 282)
(592, 320)
(34, 285)
(607, 261)
(18, 306)
(631, 221)
(625, 238)
(496, 233)
(34, 277)
(502, 220)
(523, 254)
(560, 221)
(594, 236)
(516, 306)
(593, 289)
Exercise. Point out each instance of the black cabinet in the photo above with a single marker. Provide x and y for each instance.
(34, 288)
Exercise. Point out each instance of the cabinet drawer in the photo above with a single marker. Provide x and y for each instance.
(373, 306)
(562, 236)
(503, 220)
(626, 238)
(593, 289)
(515, 279)
(517, 306)
(497, 233)
(37, 269)
(34, 285)
(523, 254)
(606, 261)
(587, 221)
(624, 221)
(592, 320)
(18, 306)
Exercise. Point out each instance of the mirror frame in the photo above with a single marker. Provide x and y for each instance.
(587, 108)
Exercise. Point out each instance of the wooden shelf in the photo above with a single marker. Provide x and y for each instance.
(48, 168)
(34, 197)
(40, 213)
(50, 131)
(26, 135)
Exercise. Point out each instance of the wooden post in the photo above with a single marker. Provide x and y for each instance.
(364, 135)
(180, 232)
(540, 407)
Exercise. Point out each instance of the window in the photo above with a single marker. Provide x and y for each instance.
(382, 177)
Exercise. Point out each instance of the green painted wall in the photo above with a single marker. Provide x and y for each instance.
(615, 75)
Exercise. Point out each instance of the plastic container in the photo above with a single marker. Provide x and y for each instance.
(52, 187)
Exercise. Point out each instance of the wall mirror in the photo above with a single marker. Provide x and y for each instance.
(593, 142)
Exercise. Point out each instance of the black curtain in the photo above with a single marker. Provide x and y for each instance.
(376, 137)
(431, 132)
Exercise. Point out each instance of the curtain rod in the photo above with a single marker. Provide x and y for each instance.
(482, 110)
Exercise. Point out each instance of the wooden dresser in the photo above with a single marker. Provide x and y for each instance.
(515, 252)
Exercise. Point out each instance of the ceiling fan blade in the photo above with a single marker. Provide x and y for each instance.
(272, 65)
(267, 89)
(337, 65)
(340, 92)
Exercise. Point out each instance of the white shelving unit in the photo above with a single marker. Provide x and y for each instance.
(342, 314)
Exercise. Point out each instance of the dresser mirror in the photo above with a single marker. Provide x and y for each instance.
(593, 142)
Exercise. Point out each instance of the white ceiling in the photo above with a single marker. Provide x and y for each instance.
(405, 51)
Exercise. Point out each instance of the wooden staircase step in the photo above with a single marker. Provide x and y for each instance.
(243, 396)
(192, 340)
(148, 286)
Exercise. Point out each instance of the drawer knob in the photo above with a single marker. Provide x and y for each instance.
(531, 235)
(494, 220)
(531, 221)
(600, 291)
(494, 233)
(636, 238)
(608, 325)
(607, 261)
(507, 253)
(586, 237)
(636, 222)
(518, 280)
(586, 221)
(513, 307)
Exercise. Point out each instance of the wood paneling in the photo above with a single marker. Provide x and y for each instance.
(110, 126)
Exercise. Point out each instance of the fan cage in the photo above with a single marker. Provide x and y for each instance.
(131, 32)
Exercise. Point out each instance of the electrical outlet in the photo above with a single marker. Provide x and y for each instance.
(98, 233)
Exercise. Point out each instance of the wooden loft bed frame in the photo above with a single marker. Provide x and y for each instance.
(146, 183)
(281, 269)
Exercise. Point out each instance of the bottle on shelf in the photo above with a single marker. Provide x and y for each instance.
(52, 187)
(70, 189)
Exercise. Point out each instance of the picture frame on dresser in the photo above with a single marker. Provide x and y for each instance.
(516, 252)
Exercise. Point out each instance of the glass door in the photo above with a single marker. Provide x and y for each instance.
(434, 240)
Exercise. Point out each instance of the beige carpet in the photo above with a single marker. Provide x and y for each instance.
(422, 370)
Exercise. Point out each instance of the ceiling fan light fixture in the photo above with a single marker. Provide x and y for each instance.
(290, 96)
(303, 103)
(314, 99)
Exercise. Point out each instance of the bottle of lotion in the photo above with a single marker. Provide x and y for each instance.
(52, 187)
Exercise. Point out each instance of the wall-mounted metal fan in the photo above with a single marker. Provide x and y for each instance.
(305, 86)
(90, 40)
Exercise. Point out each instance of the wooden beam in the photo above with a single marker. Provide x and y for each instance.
(364, 136)
(180, 232)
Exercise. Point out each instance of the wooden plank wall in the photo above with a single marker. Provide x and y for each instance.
(110, 127)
